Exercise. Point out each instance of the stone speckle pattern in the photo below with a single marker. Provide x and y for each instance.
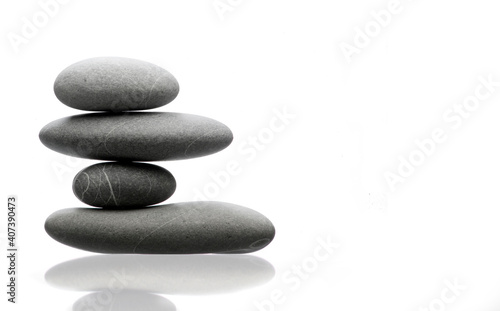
(118, 185)
(115, 84)
(178, 228)
(136, 136)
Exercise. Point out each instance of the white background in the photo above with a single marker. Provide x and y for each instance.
(322, 176)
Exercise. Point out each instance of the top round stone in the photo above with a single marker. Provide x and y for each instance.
(115, 84)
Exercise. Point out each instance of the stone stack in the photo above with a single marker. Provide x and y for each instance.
(124, 189)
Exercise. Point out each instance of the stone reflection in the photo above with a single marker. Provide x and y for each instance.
(133, 282)
(123, 301)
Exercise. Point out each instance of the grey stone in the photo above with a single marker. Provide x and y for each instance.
(118, 185)
(164, 274)
(178, 228)
(115, 84)
(136, 136)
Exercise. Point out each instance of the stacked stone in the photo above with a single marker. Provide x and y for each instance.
(124, 190)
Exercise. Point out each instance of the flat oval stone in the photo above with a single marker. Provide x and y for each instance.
(118, 185)
(178, 228)
(115, 84)
(136, 136)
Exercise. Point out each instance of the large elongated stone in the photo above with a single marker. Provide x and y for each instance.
(123, 185)
(115, 84)
(179, 228)
(136, 136)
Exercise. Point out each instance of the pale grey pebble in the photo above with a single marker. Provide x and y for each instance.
(115, 84)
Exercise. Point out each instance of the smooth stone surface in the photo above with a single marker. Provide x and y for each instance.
(179, 228)
(115, 84)
(163, 274)
(136, 136)
(118, 185)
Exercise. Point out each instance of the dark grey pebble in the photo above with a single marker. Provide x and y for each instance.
(178, 228)
(115, 84)
(118, 185)
(136, 136)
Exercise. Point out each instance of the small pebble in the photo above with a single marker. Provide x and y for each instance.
(119, 185)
